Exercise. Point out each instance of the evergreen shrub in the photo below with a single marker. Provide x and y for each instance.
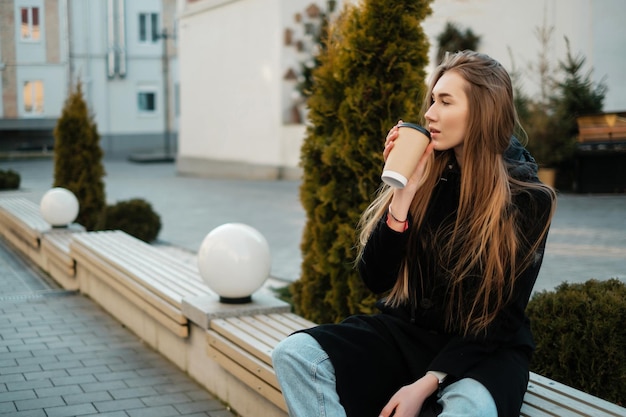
(370, 74)
(78, 159)
(135, 217)
(452, 39)
(549, 119)
(9, 180)
(581, 336)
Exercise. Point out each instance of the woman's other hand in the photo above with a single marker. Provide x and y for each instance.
(408, 401)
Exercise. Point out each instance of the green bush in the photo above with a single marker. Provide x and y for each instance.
(78, 159)
(135, 217)
(9, 180)
(370, 74)
(581, 337)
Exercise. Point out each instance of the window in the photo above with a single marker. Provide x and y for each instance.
(146, 102)
(33, 97)
(148, 27)
(29, 29)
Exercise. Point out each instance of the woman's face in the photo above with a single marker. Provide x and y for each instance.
(448, 114)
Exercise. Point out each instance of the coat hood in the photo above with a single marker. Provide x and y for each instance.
(521, 164)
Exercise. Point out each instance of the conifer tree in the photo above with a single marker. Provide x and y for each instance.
(371, 74)
(576, 94)
(453, 39)
(78, 159)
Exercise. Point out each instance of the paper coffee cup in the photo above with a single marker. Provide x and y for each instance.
(407, 150)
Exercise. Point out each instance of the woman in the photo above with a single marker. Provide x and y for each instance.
(457, 252)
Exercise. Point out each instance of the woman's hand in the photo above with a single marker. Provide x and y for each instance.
(391, 137)
(402, 198)
(408, 401)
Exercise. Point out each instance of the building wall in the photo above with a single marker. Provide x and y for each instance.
(7, 60)
(235, 100)
(230, 109)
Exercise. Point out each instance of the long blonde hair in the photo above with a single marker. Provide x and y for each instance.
(484, 236)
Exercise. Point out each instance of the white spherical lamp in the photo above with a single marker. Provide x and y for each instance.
(234, 261)
(59, 207)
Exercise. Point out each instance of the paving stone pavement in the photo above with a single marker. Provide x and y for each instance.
(61, 355)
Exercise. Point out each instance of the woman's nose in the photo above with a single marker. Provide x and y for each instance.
(430, 114)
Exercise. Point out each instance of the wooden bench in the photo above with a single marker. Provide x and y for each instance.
(244, 345)
(22, 225)
(602, 127)
(153, 281)
(55, 249)
(546, 397)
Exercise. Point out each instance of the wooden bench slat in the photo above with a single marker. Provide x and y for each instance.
(551, 406)
(133, 262)
(247, 341)
(26, 212)
(292, 321)
(173, 325)
(570, 398)
(276, 325)
(242, 357)
(261, 333)
(281, 325)
(263, 327)
(168, 286)
(263, 388)
(169, 279)
(528, 410)
(128, 288)
(151, 255)
(21, 218)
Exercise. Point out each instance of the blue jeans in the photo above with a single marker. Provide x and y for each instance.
(307, 379)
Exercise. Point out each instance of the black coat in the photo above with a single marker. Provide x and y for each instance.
(375, 355)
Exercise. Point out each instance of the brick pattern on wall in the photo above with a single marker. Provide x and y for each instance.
(9, 77)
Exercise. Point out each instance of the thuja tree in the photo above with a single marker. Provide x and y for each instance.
(453, 39)
(577, 94)
(370, 74)
(78, 159)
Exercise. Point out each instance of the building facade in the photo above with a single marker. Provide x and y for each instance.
(236, 60)
(122, 52)
(241, 114)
